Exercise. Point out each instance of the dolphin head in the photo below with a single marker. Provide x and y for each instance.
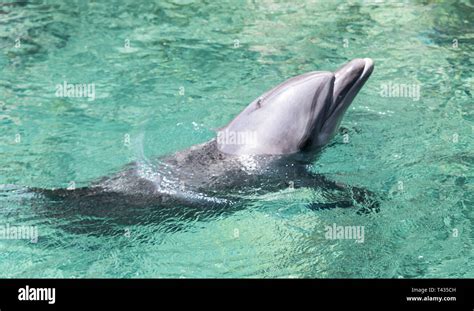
(302, 113)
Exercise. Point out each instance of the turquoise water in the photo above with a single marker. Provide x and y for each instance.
(167, 74)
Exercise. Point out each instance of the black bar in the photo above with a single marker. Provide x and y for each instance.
(229, 294)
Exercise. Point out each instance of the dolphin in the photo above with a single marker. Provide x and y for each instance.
(268, 147)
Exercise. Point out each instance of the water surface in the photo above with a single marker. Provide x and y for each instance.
(167, 73)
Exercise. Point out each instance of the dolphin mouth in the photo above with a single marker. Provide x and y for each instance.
(349, 79)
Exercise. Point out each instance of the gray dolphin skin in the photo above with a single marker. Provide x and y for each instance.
(304, 111)
(268, 147)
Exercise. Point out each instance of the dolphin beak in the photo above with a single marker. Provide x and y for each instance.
(350, 78)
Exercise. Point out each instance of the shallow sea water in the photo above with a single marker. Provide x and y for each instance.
(190, 67)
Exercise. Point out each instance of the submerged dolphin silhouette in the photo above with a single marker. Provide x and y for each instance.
(286, 125)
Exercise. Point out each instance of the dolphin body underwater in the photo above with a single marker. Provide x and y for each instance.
(289, 124)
